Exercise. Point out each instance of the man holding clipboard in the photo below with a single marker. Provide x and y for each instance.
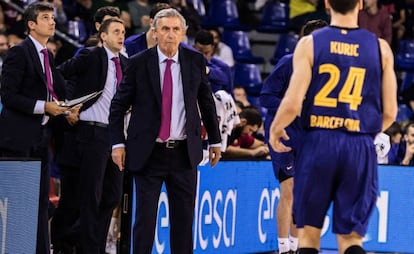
(97, 72)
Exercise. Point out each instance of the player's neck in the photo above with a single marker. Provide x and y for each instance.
(346, 21)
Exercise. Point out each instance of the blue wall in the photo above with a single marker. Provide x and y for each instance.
(19, 198)
(236, 211)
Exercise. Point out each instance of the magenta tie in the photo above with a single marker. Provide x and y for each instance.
(47, 72)
(166, 102)
(118, 70)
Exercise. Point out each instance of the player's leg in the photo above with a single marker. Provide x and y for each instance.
(356, 194)
(293, 237)
(314, 186)
(350, 244)
(309, 240)
(284, 214)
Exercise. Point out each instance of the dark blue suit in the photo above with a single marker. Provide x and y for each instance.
(22, 133)
(135, 43)
(100, 179)
(219, 76)
(153, 164)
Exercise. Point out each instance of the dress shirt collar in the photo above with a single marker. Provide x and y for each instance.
(162, 57)
(109, 53)
(37, 44)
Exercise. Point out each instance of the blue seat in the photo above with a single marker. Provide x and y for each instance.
(285, 45)
(275, 18)
(77, 29)
(223, 13)
(239, 42)
(404, 113)
(199, 6)
(404, 59)
(408, 81)
(249, 77)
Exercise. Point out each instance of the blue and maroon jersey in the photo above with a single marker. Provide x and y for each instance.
(345, 90)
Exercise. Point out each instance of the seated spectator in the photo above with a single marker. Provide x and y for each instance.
(240, 95)
(123, 9)
(402, 153)
(191, 16)
(299, 10)
(242, 143)
(140, 20)
(82, 10)
(221, 50)
(375, 20)
(219, 73)
(139, 42)
(395, 133)
(60, 14)
(395, 8)
(239, 106)
(409, 21)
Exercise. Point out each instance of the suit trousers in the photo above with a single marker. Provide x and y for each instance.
(65, 222)
(172, 167)
(39, 150)
(100, 187)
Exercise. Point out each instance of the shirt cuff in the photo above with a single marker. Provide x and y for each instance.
(39, 107)
(118, 146)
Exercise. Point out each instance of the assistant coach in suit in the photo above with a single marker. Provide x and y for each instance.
(93, 70)
(30, 84)
(157, 154)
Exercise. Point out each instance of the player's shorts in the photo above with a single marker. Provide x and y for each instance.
(283, 164)
(340, 167)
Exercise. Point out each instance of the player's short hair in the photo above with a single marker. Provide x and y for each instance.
(204, 38)
(106, 11)
(313, 25)
(343, 6)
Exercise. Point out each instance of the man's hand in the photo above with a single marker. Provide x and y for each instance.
(214, 155)
(274, 140)
(72, 115)
(409, 152)
(53, 109)
(118, 157)
(260, 151)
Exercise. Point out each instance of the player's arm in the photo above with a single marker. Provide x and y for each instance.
(291, 104)
(388, 86)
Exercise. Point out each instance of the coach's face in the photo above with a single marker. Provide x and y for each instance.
(169, 32)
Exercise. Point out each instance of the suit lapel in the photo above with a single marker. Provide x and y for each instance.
(154, 73)
(104, 67)
(35, 59)
(124, 62)
(185, 66)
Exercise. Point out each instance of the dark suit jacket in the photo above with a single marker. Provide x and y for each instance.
(23, 83)
(141, 89)
(87, 72)
(136, 43)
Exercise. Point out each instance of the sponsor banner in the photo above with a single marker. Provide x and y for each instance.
(236, 211)
(19, 199)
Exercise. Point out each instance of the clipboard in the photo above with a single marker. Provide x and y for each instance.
(77, 101)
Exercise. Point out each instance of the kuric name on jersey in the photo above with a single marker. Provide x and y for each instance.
(342, 48)
(334, 122)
